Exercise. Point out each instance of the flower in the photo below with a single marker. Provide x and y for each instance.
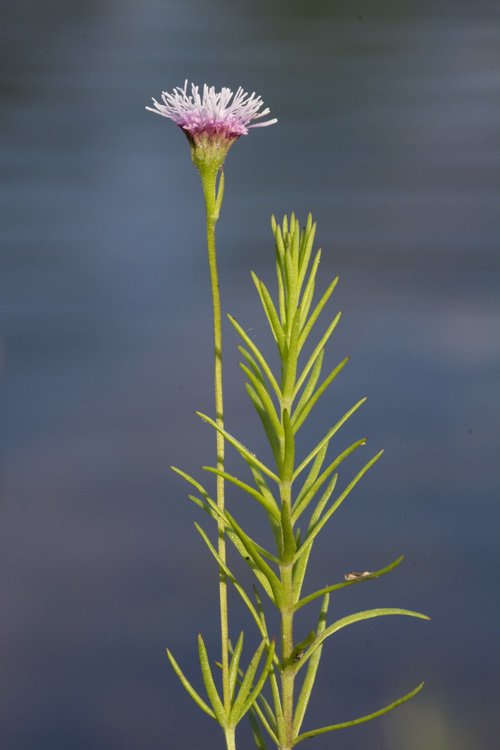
(211, 122)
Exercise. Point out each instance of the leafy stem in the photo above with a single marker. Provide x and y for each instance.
(283, 402)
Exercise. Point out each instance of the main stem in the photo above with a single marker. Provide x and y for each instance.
(286, 566)
(287, 613)
(209, 181)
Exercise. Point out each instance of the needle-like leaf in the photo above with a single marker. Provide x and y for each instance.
(210, 684)
(312, 668)
(259, 740)
(343, 584)
(309, 404)
(260, 684)
(190, 689)
(350, 619)
(257, 354)
(253, 551)
(327, 437)
(266, 423)
(244, 699)
(244, 452)
(265, 398)
(313, 533)
(304, 499)
(316, 352)
(271, 314)
(313, 318)
(271, 507)
(235, 663)
(261, 624)
(309, 387)
(361, 720)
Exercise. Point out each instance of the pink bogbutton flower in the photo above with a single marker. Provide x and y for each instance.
(213, 121)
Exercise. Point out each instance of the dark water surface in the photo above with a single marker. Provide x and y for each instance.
(388, 132)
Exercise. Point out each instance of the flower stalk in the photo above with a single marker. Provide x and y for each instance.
(213, 195)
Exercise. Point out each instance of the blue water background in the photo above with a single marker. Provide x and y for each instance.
(389, 134)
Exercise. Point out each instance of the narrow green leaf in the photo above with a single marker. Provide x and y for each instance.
(271, 313)
(208, 679)
(262, 485)
(309, 388)
(260, 608)
(308, 295)
(281, 291)
(190, 689)
(361, 720)
(313, 473)
(278, 236)
(357, 617)
(250, 545)
(316, 351)
(266, 492)
(244, 452)
(270, 507)
(306, 250)
(246, 684)
(314, 532)
(203, 505)
(265, 713)
(299, 571)
(327, 437)
(245, 698)
(220, 194)
(314, 316)
(262, 617)
(266, 423)
(312, 669)
(252, 362)
(265, 399)
(262, 679)
(299, 508)
(215, 513)
(234, 665)
(295, 238)
(241, 591)
(290, 285)
(292, 353)
(259, 740)
(273, 724)
(257, 354)
(192, 481)
(328, 589)
(321, 504)
(304, 413)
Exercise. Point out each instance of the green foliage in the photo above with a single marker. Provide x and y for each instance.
(283, 401)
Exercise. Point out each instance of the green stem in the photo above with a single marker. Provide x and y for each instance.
(288, 674)
(230, 739)
(289, 370)
(212, 202)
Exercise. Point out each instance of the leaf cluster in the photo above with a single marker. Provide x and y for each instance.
(283, 401)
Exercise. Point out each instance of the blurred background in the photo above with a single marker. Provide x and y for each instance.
(388, 133)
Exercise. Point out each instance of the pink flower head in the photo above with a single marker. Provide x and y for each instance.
(211, 122)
